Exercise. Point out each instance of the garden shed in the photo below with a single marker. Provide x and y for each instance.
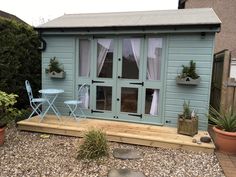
(130, 61)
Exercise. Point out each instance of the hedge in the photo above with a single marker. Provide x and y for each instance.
(19, 59)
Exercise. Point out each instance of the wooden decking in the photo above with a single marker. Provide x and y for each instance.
(149, 135)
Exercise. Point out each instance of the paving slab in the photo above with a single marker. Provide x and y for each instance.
(126, 154)
(125, 173)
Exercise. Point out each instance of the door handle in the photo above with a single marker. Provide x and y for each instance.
(137, 83)
(93, 81)
(120, 77)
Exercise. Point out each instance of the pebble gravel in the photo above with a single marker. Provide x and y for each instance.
(28, 154)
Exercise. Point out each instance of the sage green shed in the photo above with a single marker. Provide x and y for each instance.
(130, 61)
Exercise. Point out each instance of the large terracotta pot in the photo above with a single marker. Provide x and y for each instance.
(225, 141)
(2, 132)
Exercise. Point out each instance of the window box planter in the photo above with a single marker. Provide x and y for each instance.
(187, 81)
(187, 126)
(57, 75)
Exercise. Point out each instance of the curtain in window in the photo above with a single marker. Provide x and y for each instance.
(153, 69)
(135, 44)
(103, 46)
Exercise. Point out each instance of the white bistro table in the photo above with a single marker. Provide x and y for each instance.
(51, 95)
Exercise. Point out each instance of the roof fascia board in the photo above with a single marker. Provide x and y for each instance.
(131, 30)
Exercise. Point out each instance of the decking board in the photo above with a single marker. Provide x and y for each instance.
(148, 135)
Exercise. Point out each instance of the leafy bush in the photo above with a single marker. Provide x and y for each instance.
(7, 112)
(19, 59)
(94, 145)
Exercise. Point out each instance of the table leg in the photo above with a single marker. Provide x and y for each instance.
(52, 106)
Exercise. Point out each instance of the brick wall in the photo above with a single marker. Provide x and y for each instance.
(226, 11)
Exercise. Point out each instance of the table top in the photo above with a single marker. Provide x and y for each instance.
(51, 91)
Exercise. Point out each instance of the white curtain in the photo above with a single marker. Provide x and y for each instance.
(135, 44)
(103, 46)
(86, 98)
(153, 69)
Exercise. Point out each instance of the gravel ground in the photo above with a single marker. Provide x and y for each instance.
(28, 154)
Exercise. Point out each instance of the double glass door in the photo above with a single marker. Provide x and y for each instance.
(126, 79)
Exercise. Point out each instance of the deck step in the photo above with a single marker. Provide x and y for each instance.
(131, 133)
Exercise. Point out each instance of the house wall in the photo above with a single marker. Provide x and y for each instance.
(225, 10)
(181, 49)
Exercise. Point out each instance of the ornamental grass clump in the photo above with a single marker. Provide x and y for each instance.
(225, 120)
(94, 145)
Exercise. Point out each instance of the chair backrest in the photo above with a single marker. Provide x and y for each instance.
(83, 89)
(29, 90)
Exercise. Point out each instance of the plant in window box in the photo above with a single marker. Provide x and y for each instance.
(188, 75)
(187, 121)
(55, 69)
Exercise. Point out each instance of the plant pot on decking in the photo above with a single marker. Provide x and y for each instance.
(187, 126)
(2, 133)
(225, 141)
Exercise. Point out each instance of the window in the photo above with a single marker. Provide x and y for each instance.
(84, 57)
(154, 59)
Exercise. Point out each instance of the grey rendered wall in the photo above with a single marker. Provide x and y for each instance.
(181, 49)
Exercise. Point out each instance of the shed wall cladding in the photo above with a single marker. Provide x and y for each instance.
(63, 48)
(181, 49)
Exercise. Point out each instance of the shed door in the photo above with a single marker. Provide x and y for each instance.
(127, 79)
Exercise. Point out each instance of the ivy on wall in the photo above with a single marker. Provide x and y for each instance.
(19, 59)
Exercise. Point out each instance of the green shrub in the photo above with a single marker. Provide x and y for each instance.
(94, 145)
(19, 59)
(7, 111)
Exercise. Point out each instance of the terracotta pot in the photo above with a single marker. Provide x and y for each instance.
(225, 141)
(2, 132)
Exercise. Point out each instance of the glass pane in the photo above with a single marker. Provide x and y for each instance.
(154, 58)
(129, 99)
(152, 101)
(105, 50)
(84, 57)
(104, 98)
(130, 58)
(84, 96)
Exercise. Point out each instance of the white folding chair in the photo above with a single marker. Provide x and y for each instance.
(74, 104)
(35, 103)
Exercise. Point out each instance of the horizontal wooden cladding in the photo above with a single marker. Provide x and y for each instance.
(194, 51)
(63, 48)
(131, 133)
(181, 49)
(191, 37)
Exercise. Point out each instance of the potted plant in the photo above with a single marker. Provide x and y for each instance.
(187, 121)
(188, 75)
(225, 129)
(55, 69)
(6, 109)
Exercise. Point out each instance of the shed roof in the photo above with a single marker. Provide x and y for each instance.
(203, 16)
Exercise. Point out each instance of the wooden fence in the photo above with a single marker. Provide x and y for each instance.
(223, 88)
